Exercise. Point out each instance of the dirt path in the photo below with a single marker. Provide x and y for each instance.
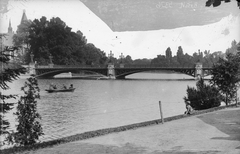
(215, 132)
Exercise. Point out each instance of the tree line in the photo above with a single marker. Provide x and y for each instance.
(44, 38)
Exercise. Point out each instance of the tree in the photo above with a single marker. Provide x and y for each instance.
(225, 75)
(216, 3)
(128, 60)
(67, 48)
(8, 73)
(160, 61)
(29, 128)
(21, 40)
(233, 49)
(180, 56)
(168, 55)
(204, 97)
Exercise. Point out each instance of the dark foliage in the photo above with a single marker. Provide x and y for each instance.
(216, 3)
(55, 38)
(226, 75)
(29, 128)
(204, 96)
(8, 73)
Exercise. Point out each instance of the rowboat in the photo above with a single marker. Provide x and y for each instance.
(60, 90)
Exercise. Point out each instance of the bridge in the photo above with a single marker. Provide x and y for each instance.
(121, 72)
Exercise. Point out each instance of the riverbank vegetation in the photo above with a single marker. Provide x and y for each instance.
(204, 96)
(8, 74)
(28, 128)
(226, 76)
(225, 80)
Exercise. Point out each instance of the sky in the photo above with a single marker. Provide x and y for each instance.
(78, 16)
(73, 12)
(142, 15)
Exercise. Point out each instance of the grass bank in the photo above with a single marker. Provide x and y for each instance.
(101, 132)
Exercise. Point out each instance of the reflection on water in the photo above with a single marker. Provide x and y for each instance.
(97, 104)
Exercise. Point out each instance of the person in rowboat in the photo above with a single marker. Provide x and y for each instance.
(64, 87)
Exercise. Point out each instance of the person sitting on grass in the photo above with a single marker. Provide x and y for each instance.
(189, 108)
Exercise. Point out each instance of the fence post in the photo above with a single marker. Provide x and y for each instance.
(160, 107)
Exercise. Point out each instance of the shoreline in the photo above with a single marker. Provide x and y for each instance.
(102, 132)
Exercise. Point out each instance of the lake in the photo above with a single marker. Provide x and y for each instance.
(97, 104)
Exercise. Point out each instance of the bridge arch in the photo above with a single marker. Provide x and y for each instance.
(121, 73)
(51, 72)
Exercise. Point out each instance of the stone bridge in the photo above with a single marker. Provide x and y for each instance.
(119, 72)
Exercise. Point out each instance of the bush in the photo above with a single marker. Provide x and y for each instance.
(204, 97)
(8, 73)
(29, 128)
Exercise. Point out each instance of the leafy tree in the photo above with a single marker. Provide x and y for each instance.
(225, 75)
(142, 62)
(8, 73)
(21, 40)
(168, 54)
(216, 3)
(67, 48)
(204, 97)
(233, 49)
(180, 56)
(128, 60)
(160, 61)
(29, 128)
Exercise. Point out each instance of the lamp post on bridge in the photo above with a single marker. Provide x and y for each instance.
(31, 65)
(50, 61)
(111, 70)
(110, 56)
(121, 61)
(198, 71)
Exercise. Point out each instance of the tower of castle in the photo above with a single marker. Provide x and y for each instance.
(10, 30)
(24, 17)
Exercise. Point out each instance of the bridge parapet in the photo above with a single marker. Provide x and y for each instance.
(199, 70)
(119, 73)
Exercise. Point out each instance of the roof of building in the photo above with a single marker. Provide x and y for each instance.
(24, 17)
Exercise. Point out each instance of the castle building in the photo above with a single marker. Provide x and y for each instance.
(7, 38)
(23, 47)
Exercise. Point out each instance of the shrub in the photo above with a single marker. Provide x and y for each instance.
(204, 96)
(29, 128)
(8, 73)
(225, 75)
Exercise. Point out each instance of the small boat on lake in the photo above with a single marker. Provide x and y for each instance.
(60, 90)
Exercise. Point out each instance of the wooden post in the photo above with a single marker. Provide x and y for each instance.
(160, 107)
(236, 99)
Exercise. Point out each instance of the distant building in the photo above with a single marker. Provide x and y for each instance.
(21, 30)
(7, 38)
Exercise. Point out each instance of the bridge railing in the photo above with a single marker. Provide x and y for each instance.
(155, 66)
(116, 66)
(69, 66)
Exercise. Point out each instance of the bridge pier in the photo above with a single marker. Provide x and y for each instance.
(31, 66)
(111, 71)
(198, 71)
